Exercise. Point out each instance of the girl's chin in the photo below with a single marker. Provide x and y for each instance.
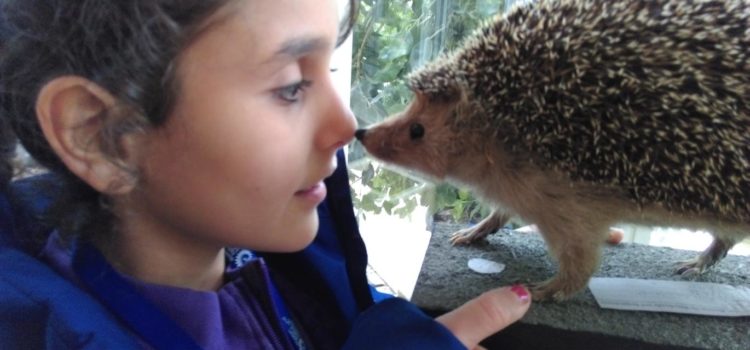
(293, 232)
(301, 237)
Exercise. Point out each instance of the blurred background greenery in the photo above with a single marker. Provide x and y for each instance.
(391, 39)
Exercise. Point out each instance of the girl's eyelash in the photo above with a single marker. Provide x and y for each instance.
(290, 93)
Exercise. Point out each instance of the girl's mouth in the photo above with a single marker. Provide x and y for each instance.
(314, 194)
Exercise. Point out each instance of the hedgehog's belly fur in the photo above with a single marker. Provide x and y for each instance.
(531, 191)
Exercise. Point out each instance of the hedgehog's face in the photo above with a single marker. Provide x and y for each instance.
(417, 139)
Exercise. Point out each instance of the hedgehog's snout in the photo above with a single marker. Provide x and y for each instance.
(382, 149)
(360, 134)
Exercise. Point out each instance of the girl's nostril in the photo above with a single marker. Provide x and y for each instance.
(360, 134)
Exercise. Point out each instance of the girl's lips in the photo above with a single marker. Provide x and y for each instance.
(314, 194)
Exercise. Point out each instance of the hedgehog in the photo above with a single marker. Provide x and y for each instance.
(579, 114)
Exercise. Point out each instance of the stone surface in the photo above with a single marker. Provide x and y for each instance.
(445, 282)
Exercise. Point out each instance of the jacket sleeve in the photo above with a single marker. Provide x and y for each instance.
(395, 324)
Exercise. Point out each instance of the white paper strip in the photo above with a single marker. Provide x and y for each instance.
(697, 298)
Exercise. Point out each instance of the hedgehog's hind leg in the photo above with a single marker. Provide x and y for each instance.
(488, 225)
(712, 255)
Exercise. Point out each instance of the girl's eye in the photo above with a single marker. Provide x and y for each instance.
(290, 93)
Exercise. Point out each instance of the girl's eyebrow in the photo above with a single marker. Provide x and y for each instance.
(298, 47)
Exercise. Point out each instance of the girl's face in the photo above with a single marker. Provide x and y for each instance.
(242, 157)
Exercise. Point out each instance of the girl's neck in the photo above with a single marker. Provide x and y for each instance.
(152, 258)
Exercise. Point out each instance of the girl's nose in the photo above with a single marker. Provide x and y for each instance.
(339, 126)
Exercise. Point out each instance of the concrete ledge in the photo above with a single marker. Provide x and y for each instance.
(445, 282)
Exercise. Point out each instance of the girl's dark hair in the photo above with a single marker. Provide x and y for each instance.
(128, 47)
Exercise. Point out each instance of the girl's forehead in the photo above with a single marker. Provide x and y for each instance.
(255, 39)
(273, 17)
(276, 26)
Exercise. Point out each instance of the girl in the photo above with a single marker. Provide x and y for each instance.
(174, 129)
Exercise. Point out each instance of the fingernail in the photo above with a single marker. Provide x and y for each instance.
(521, 292)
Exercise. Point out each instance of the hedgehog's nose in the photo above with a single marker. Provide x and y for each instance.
(360, 134)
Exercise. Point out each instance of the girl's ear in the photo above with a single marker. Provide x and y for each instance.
(72, 112)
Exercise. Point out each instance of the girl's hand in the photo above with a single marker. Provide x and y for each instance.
(487, 314)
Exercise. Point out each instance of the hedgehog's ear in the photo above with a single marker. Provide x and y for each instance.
(452, 93)
(446, 94)
(420, 98)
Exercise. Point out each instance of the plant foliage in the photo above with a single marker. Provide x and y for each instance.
(391, 39)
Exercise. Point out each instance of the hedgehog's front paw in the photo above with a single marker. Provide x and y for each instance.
(468, 235)
(553, 289)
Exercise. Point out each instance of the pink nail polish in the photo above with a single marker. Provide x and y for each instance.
(521, 292)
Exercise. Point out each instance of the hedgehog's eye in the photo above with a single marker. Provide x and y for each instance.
(416, 131)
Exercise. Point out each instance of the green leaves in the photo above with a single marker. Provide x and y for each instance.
(379, 189)
(391, 39)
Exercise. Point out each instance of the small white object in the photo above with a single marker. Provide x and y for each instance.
(698, 298)
(528, 229)
(485, 266)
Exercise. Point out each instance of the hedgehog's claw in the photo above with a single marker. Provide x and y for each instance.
(712, 255)
(468, 236)
(478, 232)
(689, 270)
(694, 267)
(551, 290)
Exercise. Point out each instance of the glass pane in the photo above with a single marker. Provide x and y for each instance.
(391, 39)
